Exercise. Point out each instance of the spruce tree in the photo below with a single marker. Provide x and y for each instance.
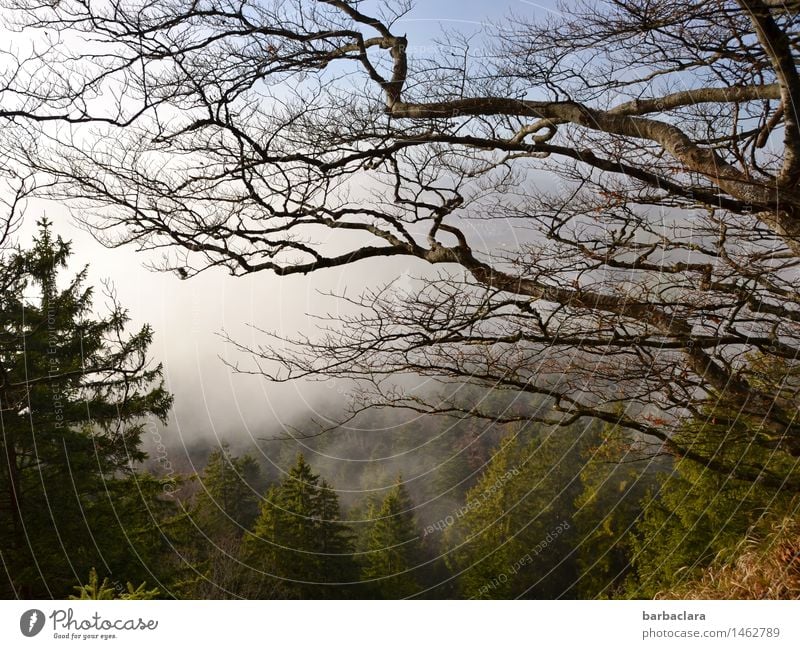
(702, 512)
(479, 541)
(702, 515)
(616, 476)
(95, 589)
(299, 547)
(227, 503)
(75, 390)
(515, 535)
(393, 548)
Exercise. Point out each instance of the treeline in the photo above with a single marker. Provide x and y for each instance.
(430, 507)
(585, 511)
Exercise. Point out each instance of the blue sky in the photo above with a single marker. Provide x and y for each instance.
(478, 9)
(464, 12)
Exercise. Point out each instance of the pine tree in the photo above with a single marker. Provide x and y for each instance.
(227, 503)
(616, 476)
(221, 513)
(393, 548)
(74, 392)
(479, 541)
(97, 590)
(702, 513)
(515, 535)
(299, 547)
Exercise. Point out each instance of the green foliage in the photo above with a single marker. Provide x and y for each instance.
(227, 503)
(514, 535)
(299, 547)
(616, 477)
(222, 511)
(96, 590)
(764, 565)
(393, 548)
(697, 514)
(557, 512)
(74, 391)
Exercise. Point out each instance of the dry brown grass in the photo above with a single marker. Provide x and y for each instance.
(767, 566)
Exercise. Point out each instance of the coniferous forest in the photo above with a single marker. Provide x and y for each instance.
(535, 269)
(434, 507)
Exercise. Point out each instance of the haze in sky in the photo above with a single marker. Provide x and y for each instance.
(211, 401)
